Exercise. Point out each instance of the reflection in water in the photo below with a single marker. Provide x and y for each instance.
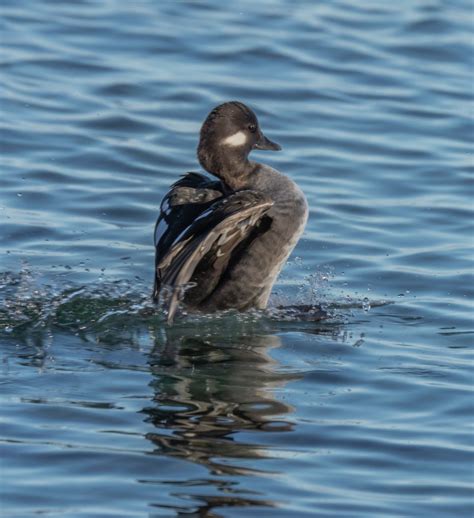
(215, 384)
(209, 387)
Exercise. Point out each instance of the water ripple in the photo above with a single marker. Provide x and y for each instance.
(363, 415)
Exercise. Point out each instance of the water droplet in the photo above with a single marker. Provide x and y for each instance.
(366, 304)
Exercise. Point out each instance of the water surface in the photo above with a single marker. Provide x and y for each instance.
(108, 412)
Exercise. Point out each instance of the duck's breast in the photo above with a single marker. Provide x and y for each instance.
(289, 215)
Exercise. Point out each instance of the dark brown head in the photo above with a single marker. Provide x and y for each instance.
(229, 133)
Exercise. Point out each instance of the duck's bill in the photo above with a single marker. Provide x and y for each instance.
(265, 143)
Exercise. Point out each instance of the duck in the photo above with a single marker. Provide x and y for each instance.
(221, 242)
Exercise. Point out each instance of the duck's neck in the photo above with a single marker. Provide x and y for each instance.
(234, 168)
(235, 174)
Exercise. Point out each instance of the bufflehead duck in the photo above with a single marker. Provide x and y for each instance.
(220, 244)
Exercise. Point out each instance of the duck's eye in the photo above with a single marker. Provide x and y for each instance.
(252, 128)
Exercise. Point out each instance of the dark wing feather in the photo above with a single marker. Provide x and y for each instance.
(211, 239)
(185, 201)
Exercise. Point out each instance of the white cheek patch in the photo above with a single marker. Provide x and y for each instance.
(237, 139)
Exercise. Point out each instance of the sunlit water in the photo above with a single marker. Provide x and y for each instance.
(105, 410)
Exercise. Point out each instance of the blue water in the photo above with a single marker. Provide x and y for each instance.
(105, 410)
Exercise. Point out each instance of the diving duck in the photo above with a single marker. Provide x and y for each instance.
(220, 244)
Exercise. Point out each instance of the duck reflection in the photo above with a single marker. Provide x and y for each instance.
(209, 386)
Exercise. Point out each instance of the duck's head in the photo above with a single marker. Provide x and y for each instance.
(229, 133)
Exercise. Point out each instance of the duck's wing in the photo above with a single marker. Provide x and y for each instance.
(205, 248)
(185, 201)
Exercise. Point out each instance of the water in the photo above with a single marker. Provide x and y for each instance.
(108, 412)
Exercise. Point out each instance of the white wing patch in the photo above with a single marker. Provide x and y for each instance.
(237, 139)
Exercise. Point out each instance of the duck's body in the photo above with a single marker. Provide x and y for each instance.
(249, 283)
(228, 238)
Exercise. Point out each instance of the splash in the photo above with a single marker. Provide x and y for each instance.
(26, 304)
(316, 293)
